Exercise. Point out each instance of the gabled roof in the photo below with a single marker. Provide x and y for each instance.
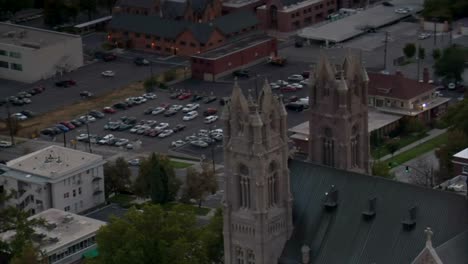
(454, 251)
(396, 86)
(235, 21)
(199, 5)
(173, 9)
(135, 3)
(343, 235)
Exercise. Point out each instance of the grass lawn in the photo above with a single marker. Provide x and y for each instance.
(404, 141)
(180, 164)
(418, 150)
(123, 200)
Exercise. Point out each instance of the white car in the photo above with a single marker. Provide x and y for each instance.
(190, 115)
(158, 110)
(304, 82)
(304, 100)
(88, 118)
(161, 126)
(134, 162)
(296, 85)
(122, 142)
(26, 100)
(129, 146)
(178, 143)
(199, 143)
(82, 137)
(139, 100)
(5, 144)
(150, 96)
(190, 107)
(211, 119)
(135, 129)
(295, 78)
(282, 83)
(108, 73)
(274, 86)
(424, 35)
(176, 107)
(166, 133)
(19, 116)
(217, 131)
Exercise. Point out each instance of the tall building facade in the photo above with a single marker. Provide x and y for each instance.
(258, 202)
(338, 130)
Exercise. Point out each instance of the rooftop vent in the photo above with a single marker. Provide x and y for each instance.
(68, 218)
(410, 222)
(370, 212)
(384, 90)
(50, 225)
(331, 198)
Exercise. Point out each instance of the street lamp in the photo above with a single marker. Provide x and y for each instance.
(408, 169)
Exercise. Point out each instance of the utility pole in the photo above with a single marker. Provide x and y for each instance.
(419, 60)
(87, 130)
(435, 31)
(64, 139)
(10, 125)
(385, 50)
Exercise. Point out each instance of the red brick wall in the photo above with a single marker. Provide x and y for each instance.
(458, 168)
(232, 61)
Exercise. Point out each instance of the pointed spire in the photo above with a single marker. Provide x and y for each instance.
(238, 99)
(342, 86)
(266, 96)
(429, 235)
(324, 70)
(282, 108)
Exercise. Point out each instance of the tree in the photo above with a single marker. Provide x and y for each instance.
(116, 176)
(452, 63)
(458, 141)
(409, 50)
(54, 12)
(152, 234)
(381, 169)
(423, 173)
(412, 125)
(457, 116)
(109, 4)
(436, 54)
(445, 10)
(89, 6)
(157, 179)
(392, 147)
(28, 255)
(10, 7)
(421, 53)
(212, 238)
(200, 184)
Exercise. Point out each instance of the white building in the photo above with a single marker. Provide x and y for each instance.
(30, 54)
(65, 238)
(55, 177)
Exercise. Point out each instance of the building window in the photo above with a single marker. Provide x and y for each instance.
(16, 66)
(87, 171)
(292, 15)
(16, 55)
(465, 169)
(66, 195)
(3, 52)
(3, 64)
(273, 184)
(147, 36)
(244, 187)
(79, 190)
(239, 255)
(168, 49)
(157, 38)
(81, 203)
(328, 148)
(250, 256)
(137, 35)
(125, 33)
(66, 209)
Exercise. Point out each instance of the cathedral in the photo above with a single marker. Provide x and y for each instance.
(326, 209)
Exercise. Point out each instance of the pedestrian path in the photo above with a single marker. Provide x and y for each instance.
(431, 134)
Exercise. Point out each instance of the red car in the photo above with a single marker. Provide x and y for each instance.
(165, 105)
(68, 124)
(288, 89)
(185, 96)
(210, 111)
(109, 110)
(109, 57)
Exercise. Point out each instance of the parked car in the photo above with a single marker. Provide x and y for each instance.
(176, 107)
(296, 85)
(68, 125)
(38, 89)
(86, 94)
(298, 107)
(19, 116)
(120, 105)
(162, 126)
(82, 137)
(197, 98)
(210, 119)
(158, 110)
(141, 61)
(288, 89)
(65, 83)
(149, 110)
(108, 110)
(96, 114)
(150, 96)
(295, 78)
(134, 162)
(305, 74)
(108, 73)
(109, 57)
(5, 144)
(274, 86)
(199, 143)
(210, 111)
(166, 133)
(241, 73)
(209, 99)
(170, 112)
(62, 127)
(28, 113)
(175, 95)
(178, 143)
(121, 142)
(76, 123)
(190, 107)
(179, 127)
(185, 96)
(190, 116)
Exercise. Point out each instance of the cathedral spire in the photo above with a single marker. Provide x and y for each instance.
(238, 101)
(266, 97)
(324, 70)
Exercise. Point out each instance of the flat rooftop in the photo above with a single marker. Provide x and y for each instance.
(434, 102)
(53, 162)
(62, 228)
(376, 120)
(239, 3)
(234, 46)
(462, 154)
(356, 24)
(29, 37)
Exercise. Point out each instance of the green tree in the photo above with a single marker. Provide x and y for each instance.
(109, 4)
(436, 54)
(409, 50)
(457, 116)
(212, 238)
(200, 184)
(421, 53)
(54, 12)
(149, 84)
(381, 169)
(452, 63)
(157, 179)
(458, 141)
(10, 7)
(412, 125)
(170, 75)
(445, 10)
(392, 146)
(116, 176)
(28, 255)
(89, 6)
(167, 237)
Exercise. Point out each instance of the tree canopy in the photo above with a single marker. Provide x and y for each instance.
(117, 176)
(170, 237)
(409, 50)
(445, 9)
(452, 63)
(200, 184)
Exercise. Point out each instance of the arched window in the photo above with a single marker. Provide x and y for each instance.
(250, 256)
(273, 184)
(355, 146)
(239, 255)
(244, 186)
(328, 147)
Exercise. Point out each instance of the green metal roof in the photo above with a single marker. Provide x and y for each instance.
(343, 235)
(91, 254)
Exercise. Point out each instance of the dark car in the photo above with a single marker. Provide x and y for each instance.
(224, 100)
(48, 132)
(37, 90)
(28, 113)
(141, 61)
(387, 3)
(295, 107)
(299, 44)
(130, 121)
(241, 73)
(148, 111)
(76, 123)
(170, 112)
(65, 83)
(96, 114)
(209, 99)
(86, 94)
(109, 57)
(210, 111)
(17, 102)
(175, 95)
(120, 105)
(178, 128)
(306, 74)
(197, 98)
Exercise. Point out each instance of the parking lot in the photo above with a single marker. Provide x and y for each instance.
(88, 78)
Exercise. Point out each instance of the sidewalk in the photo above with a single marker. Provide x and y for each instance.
(432, 134)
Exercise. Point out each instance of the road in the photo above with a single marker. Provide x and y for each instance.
(420, 168)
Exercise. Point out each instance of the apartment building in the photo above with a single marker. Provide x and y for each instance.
(65, 238)
(55, 177)
(30, 54)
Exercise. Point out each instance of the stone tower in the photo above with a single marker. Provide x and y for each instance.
(338, 135)
(258, 202)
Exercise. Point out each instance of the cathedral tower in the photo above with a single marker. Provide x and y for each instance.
(258, 202)
(338, 135)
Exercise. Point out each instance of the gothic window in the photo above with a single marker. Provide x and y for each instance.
(326, 90)
(239, 255)
(273, 184)
(328, 148)
(355, 147)
(250, 256)
(244, 187)
(272, 122)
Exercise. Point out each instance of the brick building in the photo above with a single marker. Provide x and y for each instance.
(177, 27)
(241, 53)
(460, 163)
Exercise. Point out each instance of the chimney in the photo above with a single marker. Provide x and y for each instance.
(305, 250)
(426, 75)
(398, 73)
